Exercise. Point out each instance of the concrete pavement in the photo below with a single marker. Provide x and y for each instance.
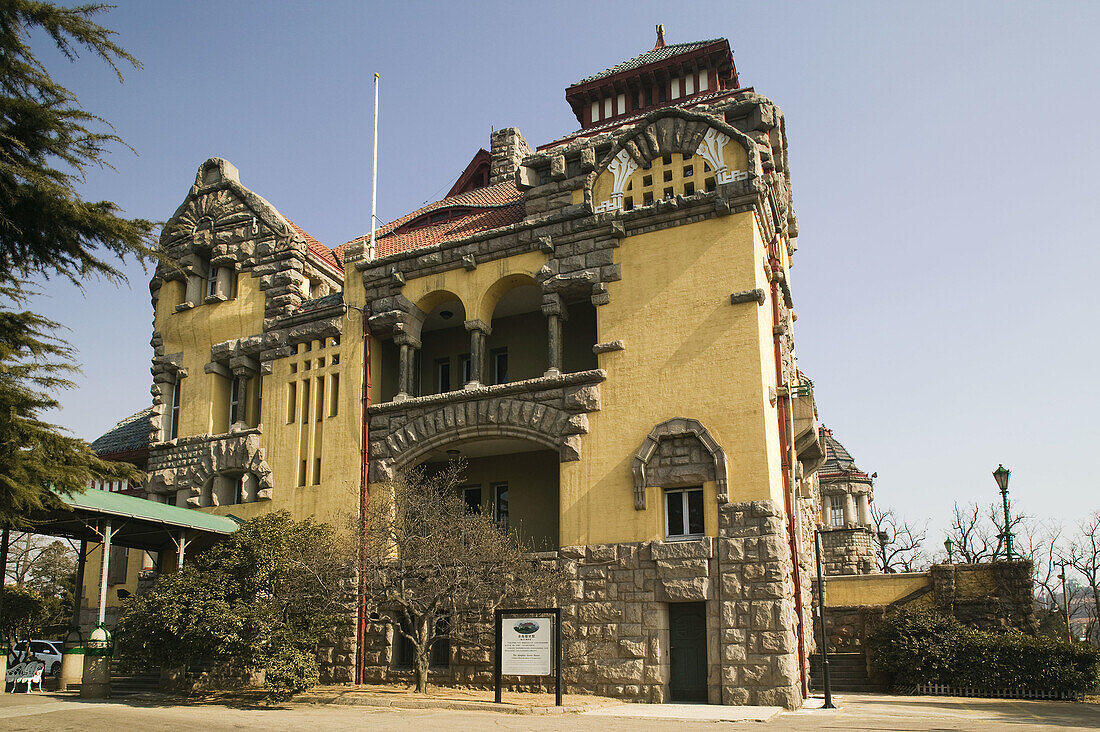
(58, 713)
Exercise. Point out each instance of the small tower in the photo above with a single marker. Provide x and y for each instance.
(847, 529)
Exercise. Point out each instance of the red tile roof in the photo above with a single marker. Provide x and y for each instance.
(319, 250)
(484, 209)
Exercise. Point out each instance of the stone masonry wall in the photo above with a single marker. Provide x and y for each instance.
(615, 621)
(848, 551)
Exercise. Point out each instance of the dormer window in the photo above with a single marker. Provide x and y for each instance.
(434, 217)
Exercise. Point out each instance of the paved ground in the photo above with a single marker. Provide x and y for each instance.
(858, 712)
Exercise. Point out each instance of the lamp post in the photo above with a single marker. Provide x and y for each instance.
(1001, 475)
(1065, 600)
(950, 547)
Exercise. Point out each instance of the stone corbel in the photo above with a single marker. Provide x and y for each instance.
(757, 295)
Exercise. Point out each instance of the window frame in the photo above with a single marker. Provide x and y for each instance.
(496, 355)
(836, 512)
(498, 489)
(174, 409)
(684, 495)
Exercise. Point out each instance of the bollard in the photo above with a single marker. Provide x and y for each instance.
(96, 683)
(72, 662)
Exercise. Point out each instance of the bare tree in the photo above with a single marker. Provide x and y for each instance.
(435, 570)
(899, 543)
(1085, 559)
(978, 535)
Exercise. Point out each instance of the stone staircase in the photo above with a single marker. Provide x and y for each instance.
(847, 672)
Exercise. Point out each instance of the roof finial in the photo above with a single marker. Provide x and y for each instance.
(660, 37)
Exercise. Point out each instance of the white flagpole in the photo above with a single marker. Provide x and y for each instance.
(374, 174)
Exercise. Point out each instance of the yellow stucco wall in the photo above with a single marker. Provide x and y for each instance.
(334, 439)
(204, 398)
(689, 353)
(873, 589)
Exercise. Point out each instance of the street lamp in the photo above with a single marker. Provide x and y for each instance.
(1001, 475)
(950, 547)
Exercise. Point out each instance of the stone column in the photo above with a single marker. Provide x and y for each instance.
(194, 288)
(478, 332)
(826, 502)
(406, 360)
(249, 487)
(849, 509)
(554, 310)
(553, 332)
(402, 372)
(864, 502)
(224, 283)
(243, 377)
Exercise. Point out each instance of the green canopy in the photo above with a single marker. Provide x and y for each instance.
(136, 522)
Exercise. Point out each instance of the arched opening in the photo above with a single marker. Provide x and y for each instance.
(513, 479)
(517, 344)
(229, 488)
(438, 357)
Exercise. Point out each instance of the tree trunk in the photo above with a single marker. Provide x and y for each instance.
(423, 654)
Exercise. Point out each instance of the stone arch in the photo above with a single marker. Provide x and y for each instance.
(492, 295)
(662, 132)
(678, 452)
(527, 420)
(238, 454)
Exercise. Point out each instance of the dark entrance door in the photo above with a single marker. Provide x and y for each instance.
(688, 651)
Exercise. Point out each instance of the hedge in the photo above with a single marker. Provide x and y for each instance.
(924, 647)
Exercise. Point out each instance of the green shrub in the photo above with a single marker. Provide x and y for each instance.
(923, 647)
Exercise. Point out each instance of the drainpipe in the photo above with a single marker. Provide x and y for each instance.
(788, 468)
(364, 463)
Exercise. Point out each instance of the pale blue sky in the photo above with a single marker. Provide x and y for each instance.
(943, 156)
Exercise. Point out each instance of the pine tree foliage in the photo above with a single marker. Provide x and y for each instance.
(47, 144)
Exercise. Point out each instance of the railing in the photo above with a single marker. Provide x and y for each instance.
(945, 690)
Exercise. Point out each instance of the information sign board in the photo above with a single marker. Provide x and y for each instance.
(526, 647)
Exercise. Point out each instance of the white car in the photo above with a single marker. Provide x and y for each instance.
(48, 652)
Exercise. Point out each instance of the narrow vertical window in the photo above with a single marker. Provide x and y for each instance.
(500, 365)
(464, 361)
(684, 513)
(471, 496)
(836, 510)
(334, 397)
(212, 282)
(302, 473)
(320, 397)
(620, 104)
(305, 401)
(689, 85)
(317, 471)
(607, 107)
(703, 80)
(595, 111)
(174, 411)
(500, 504)
(259, 398)
(291, 401)
(675, 88)
(234, 404)
(442, 375)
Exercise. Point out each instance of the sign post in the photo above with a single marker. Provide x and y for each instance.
(526, 645)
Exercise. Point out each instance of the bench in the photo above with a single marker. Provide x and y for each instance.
(28, 672)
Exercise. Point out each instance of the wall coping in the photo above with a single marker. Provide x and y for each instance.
(541, 383)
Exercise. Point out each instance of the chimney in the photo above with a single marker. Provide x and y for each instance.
(506, 149)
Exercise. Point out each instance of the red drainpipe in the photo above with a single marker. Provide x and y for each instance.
(788, 483)
(364, 462)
